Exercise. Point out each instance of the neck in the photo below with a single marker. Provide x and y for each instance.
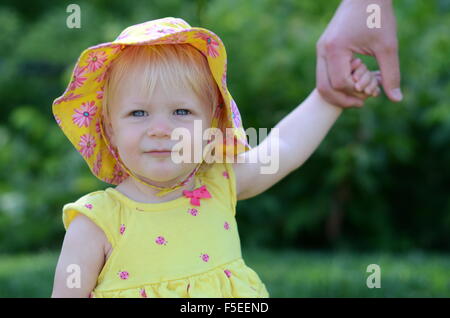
(140, 192)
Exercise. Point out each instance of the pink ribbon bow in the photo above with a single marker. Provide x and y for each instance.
(197, 194)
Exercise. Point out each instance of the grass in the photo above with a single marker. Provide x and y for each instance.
(286, 273)
(319, 274)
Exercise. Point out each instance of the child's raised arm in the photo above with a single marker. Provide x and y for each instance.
(300, 133)
(83, 246)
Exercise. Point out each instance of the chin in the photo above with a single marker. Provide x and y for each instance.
(163, 174)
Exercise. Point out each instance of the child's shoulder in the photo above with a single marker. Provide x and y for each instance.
(97, 205)
(216, 169)
(220, 179)
(98, 197)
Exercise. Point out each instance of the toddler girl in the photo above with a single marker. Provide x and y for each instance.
(168, 228)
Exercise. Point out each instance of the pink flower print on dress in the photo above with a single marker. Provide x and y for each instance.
(211, 44)
(226, 226)
(87, 144)
(161, 240)
(227, 272)
(197, 194)
(143, 293)
(225, 174)
(193, 211)
(89, 206)
(122, 229)
(204, 257)
(78, 79)
(84, 114)
(96, 60)
(123, 274)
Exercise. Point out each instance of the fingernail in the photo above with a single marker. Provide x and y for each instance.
(397, 94)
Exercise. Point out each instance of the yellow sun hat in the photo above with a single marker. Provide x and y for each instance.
(78, 111)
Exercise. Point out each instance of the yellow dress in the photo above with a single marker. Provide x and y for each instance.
(174, 248)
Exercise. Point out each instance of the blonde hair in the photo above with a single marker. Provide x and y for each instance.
(171, 65)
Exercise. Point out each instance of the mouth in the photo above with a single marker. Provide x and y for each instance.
(159, 153)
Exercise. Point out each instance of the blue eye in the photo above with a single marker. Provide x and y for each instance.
(137, 111)
(184, 111)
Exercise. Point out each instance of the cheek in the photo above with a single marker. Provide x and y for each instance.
(128, 139)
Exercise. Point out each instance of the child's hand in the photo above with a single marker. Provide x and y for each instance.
(366, 83)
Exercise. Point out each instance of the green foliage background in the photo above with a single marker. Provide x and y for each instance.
(379, 181)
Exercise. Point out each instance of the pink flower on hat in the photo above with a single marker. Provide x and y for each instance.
(101, 77)
(68, 97)
(97, 127)
(87, 144)
(118, 174)
(100, 93)
(84, 114)
(224, 77)
(96, 60)
(176, 38)
(116, 48)
(58, 121)
(123, 35)
(235, 114)
(78, 79)
(211, 44)
(98, 163)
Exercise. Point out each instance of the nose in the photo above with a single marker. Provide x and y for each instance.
(159, 127)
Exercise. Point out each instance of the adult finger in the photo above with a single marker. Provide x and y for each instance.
(387, 59)
(327, 92)
(339, 69)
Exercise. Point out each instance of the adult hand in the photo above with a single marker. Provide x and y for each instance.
(348, 33)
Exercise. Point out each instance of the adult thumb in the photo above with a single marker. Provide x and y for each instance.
(390, 73)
